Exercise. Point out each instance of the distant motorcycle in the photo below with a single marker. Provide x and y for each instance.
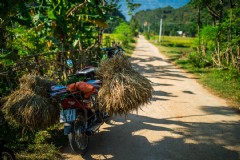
(111, 51)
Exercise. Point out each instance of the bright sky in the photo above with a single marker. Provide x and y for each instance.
(152, 4)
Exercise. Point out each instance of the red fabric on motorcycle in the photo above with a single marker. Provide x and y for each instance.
(71, 102)
(84, 87)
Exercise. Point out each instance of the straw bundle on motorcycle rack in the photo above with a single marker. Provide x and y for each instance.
(123, 89)
(30, 105)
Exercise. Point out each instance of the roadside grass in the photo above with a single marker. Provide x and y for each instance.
(225, 82)
(128, 50)
(173, 53)
(45, 144)
(175, 41)
(222, 82)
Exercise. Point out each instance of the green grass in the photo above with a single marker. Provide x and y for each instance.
(172, 52)
(224, 83)
(128, 50)
(174, 41)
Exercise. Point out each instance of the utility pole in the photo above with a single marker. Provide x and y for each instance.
(160, 30)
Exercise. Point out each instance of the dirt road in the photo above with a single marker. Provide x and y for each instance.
(183, 122)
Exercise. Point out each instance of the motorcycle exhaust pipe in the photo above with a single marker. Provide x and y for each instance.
(92, 129)
(89, 132)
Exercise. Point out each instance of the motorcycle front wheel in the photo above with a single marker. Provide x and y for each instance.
(7, 154)
(77, 139)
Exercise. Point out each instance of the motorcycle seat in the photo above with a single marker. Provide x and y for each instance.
(95, 83)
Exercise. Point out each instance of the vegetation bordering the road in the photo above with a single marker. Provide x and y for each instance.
(218, 37)
(222, 81)
(215, 54)
(38, 37)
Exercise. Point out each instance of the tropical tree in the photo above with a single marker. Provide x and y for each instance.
(39, 36)
(134, 25)
(123, 33)
(221, 39)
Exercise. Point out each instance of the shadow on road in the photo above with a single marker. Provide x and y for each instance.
(198, 141)
(166, 71)
(220, 110)
(158, 95)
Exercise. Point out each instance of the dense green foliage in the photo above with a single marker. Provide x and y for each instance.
(218, 43)
(118, 17)
(45, 33)
(123, 33)
(215, 24)
(214, 54)
(65, 28)
(222, 81)
(181, 19)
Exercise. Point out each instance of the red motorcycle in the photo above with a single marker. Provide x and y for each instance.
(80, 113)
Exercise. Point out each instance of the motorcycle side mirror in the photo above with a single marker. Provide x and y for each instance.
(69, 63)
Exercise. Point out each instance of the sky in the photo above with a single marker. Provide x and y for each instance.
(152, 4)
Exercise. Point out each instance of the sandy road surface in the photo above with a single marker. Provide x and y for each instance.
(183, 122)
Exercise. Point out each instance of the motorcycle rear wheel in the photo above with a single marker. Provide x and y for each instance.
(7, 154)
(77, 139)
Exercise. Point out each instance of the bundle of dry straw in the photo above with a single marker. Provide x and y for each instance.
(123, 89)
(31, 106)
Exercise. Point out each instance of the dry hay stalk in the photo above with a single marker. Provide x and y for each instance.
(29, 110)
(124, 89)
(31, 106)
(109, 67)
(38, 85)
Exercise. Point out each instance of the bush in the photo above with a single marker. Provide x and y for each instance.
(147, 35)
(199, 60)
(29, 145)
(123, 33)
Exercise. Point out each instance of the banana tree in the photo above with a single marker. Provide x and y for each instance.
(70, 28)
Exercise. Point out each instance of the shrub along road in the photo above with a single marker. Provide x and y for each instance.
(183, 122)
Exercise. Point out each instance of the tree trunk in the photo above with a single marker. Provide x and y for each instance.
(219, 53)
(199, 17)
(231, 3)
(199, 26)
(238, 58)
(80, 56)
(221, 11)
(213, 21)
(230, 34)
(238, 51)
(234, 59)
(227, 54)
(100, 35)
